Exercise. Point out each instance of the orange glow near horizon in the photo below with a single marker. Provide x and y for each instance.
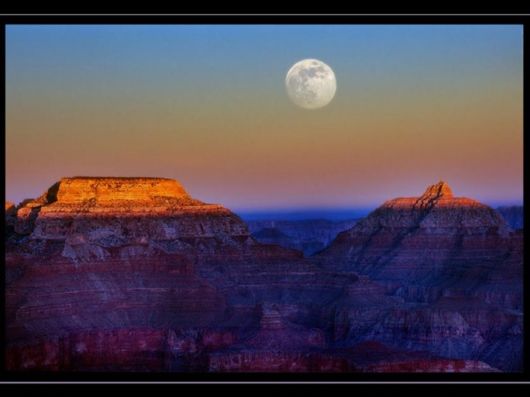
(387, 133)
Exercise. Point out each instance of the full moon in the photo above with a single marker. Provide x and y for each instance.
(311, 84)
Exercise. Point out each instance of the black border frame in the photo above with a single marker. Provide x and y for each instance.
(273, 19)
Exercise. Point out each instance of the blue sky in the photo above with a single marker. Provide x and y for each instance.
(205, 104)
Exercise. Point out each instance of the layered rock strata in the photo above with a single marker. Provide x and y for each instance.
(456, 265)
(133, 274)
(97, 256)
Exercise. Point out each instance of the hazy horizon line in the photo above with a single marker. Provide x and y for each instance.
(306, 208)
(355, 206)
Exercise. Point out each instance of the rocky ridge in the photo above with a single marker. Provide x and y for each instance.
(83, 262)
(180, 285)
(456, 265)
(308, 236)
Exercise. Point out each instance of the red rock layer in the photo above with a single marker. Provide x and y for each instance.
(109, 191)
(373, 356)
(455, 265)
(121, 349)
(447, 243)
(432, 366)
(115, 254)
(134, 274)
(277, 361)
(55, 298)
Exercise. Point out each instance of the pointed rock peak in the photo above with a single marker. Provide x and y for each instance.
(441, 189)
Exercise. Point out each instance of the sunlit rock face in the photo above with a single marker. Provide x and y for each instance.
(134, 274)
(134, 215)
(126, 255)
(426, 240)
(103, 201)
(113, 191)
(456, 265)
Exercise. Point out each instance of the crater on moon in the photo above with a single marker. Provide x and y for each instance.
(311, 84)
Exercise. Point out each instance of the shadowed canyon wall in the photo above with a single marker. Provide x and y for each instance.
(133, 274)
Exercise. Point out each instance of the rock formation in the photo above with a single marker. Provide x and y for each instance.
(424, 241)
(308, 236)
(99, 256)
(456, 264)
(376, 357)
(133, 274)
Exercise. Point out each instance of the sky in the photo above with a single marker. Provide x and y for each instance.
(207, 106)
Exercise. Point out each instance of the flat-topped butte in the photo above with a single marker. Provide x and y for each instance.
(106, 190)
(160, 206)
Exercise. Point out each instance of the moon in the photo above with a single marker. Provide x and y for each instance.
(311, 84)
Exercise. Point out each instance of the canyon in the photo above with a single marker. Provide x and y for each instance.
(308, 235)
(134, 274)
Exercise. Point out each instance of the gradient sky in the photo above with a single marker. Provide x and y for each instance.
(206, 105)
